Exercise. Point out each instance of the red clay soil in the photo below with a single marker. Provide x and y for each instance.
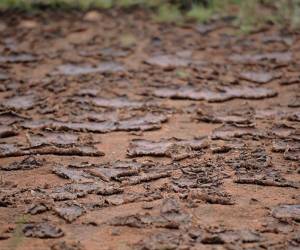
(120, 133)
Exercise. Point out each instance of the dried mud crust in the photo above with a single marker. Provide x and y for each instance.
(147, 136)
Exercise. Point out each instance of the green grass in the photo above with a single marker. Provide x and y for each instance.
(250, 14)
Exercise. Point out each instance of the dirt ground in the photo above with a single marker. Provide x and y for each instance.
(120, 133)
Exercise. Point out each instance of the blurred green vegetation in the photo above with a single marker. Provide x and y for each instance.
(249, 14)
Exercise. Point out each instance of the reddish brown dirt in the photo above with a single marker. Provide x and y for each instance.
(119, 133)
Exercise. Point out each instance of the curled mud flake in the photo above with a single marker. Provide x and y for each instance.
(142, 147)
(38, 124)
(111, 52)
(144, 123)
(292, 154)
(63, 196)
(218, 95)
(42, 230)
(97, 127)
(129, 221)
(205, 29)
(146, 178)
(239, 116)
(78, 151)
(10, 150)
(277, 58)
(74, 70)
(279, 145)
(69, 212)
(294, 117)
(18, 58)
(72, 174)
(295, 102)
(108, 174)
(67, 246)
(73, 191)
(109, 190)
(258, 77)
(85, 188)
(118, 102)
(283, 131)
(56, 139)
(10, 117)
(227, 132)
(28, 163)
(244, 92)
(7, 131)
(287, 40)
(265, 181)
(37, 208)
(92, 92)
(290, 78)
(170, 205)
(164, 240)
(287, 212)
(212, 197)
(173, 148)
(167, 61)
(20, 102)
(3, 77)
(231, 237)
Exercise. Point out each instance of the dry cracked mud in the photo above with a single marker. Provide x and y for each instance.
(183, 137)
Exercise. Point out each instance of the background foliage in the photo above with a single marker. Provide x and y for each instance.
(249, 14)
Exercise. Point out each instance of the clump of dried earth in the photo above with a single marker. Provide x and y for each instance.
(121, 133)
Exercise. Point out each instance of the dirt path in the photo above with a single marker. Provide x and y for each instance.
(119, 133)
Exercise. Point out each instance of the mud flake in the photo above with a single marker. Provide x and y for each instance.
(129, 221)
(37, 209)
(294, 117)
(57, 139)
(20, 102)
(8, 150)
(3, 77)
(117, 102)
(7, 131)
(167, 61)
(258, 77)
(10, 117)
(219, 95)
(287, 212)
(292, 154)
(227, 132)
(63, 245)
(169, 148)
(42, 230)
(74, 70)
(18, 58)
(96, 127)
(146, 178)
(295, 102)
(212, 197)
(69, 212)
(144, 123)
(283, 131)
(265, 181)
(278, 58)
(79, 150)
(74, 175)
(239, 116)
(108, 174)
(165, 240)
(28, 163)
